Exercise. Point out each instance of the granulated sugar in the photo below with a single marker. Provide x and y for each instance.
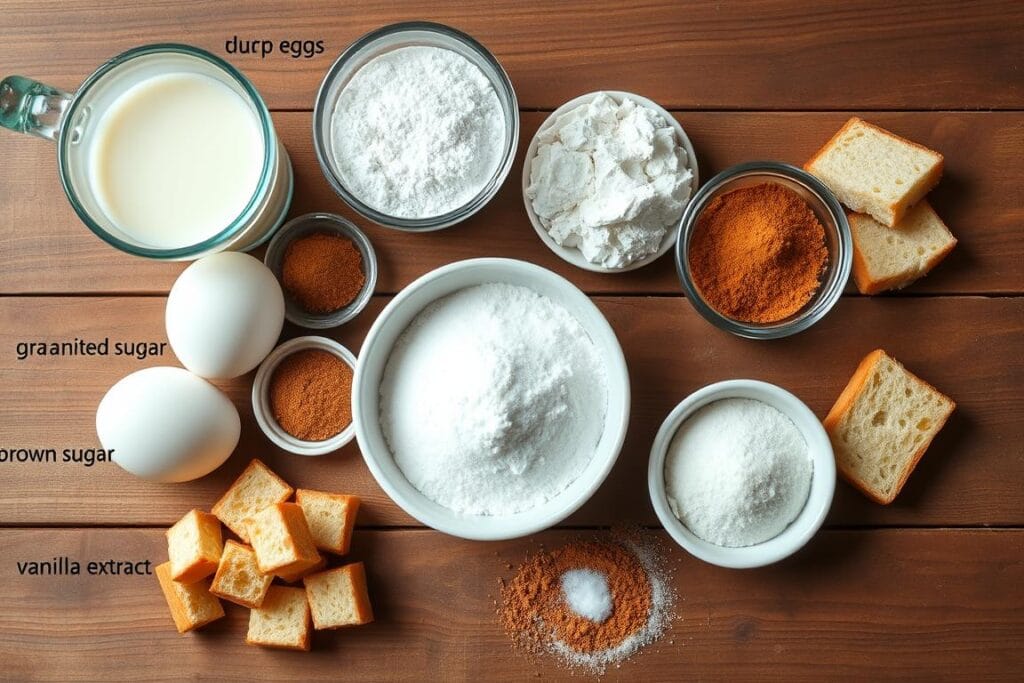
(536, 613)
(493, 400)
(737, 472)
(586, 593)
(418, 132)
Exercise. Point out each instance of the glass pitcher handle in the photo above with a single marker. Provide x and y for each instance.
(28, 106)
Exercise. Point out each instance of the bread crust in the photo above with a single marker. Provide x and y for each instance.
(914, 194)
(217, 508)
(356, 572)
(861, 273)
(852, 121)
(170, 589)
(846, 400)
(201, 566)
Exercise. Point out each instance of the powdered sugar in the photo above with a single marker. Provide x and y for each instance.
(609, 179)
(737, 472)
(493, 400)
(417, 132)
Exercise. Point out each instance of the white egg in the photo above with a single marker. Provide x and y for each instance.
(165, 424)
(224, 315)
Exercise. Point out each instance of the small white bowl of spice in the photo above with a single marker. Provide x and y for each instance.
(606, 179)
(741, 474)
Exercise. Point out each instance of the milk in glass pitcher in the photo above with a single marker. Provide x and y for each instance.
(166, 151)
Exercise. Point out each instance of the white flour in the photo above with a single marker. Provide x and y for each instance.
(610, 179)
(737, 472)
(493, 400)
(417, 132)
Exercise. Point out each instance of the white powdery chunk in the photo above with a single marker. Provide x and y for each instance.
(417, 132)
(586, 592)
(737, 472)
(609, 179)
(493, 400)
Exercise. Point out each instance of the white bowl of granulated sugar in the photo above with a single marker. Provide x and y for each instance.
(741, 474)
(606, 179)
(491, 399)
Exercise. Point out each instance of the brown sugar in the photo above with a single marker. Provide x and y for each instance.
(322, 272)
(311, 395)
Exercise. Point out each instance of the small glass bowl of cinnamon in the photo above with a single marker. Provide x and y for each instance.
(764, 250)
(327, 269)
(302, 396)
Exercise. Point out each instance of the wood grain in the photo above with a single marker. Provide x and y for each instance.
(968, 347)
(921, 605)
(769, 54)
(46, 248)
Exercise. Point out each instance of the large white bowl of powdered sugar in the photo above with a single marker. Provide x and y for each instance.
(491, 399)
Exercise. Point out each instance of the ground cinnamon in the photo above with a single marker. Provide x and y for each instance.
(534, 613)
(758, 253)
(311, 395)
(322, 272)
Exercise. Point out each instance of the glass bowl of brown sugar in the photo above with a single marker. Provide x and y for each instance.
(327, 269)
(764, 250)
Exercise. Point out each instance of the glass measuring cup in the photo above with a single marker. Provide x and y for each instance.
(73, 119)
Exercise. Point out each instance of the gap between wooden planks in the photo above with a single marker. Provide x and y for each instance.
(774, 54)
(866, 604)
(47, 250)
(966, 346)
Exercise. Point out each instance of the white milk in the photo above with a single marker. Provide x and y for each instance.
(175, 159)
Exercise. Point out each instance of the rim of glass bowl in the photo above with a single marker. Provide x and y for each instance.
(840, 259)
(324, 109)
(240, 222)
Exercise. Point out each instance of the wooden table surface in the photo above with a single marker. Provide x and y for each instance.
(929, 588)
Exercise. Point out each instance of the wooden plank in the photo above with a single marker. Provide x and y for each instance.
(922, 605)
(969, 347)
(47, 249)
(772, 54)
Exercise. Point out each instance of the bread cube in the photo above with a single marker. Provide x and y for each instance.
(338, 597)
(281, 539)
(882, 424)
(302, 573)
(192, 606)
(875, 172)
(194, 546)
(282, 621)
(331, 517)
(255, 489)
(892, 258)
(238, 578)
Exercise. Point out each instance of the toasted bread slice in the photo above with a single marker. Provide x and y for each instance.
(255, 489)
(882, 424)
(892, 258)
(192, 606)
(338, 597)
(281, 539)
(331, 517)
(282, 621)
(194, 545)
(875, 172)
(238, 579)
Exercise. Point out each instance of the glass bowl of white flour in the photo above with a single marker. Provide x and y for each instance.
(748, 466)
(416, 126)
(606, 179)
(491, 399)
